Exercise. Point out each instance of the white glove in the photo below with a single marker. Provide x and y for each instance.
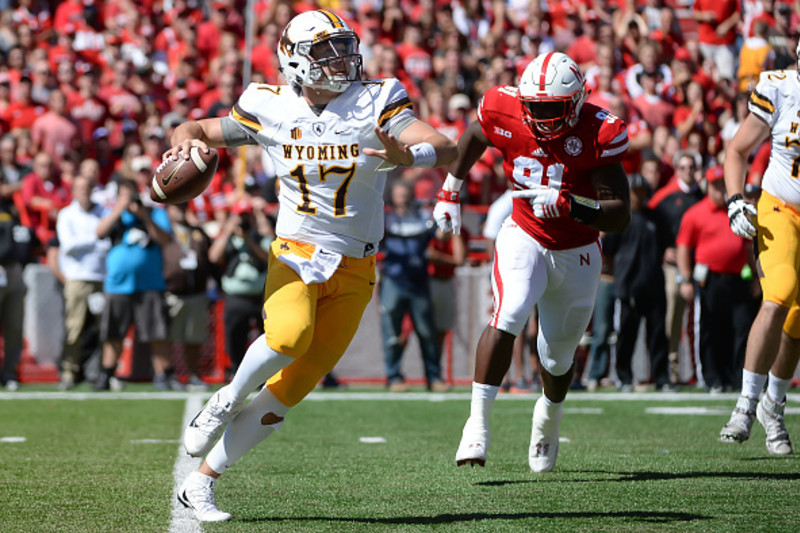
(740, 217)
(447, 212)
(546, 201)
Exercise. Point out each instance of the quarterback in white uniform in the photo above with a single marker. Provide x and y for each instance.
(773, 347)
(330, 136)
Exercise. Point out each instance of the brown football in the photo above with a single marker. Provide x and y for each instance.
(176, 181)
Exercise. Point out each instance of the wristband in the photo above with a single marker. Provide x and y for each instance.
(424, 155)
(452, 183)
(737, 196)
(447, 196)
(679, 278)
(584, 210)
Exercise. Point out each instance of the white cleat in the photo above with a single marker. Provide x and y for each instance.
(197, 494)
(770, 415)
(543, 450)
(474, 444)
(208, 425)
(741, 423)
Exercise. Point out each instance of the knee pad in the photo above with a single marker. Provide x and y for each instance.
(556, 358)
(792, 324)
(290, 338)
(780, 285)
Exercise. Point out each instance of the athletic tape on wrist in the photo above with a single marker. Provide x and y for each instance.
(424, 155)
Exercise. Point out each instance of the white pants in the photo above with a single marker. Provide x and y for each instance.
(562, 282)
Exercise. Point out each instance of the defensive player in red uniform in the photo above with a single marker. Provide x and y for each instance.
(563, 159)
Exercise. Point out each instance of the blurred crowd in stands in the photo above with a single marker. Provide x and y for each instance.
(93, 89)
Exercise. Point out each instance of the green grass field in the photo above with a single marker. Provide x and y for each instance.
(105, 463)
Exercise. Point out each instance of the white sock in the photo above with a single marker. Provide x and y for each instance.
(752, 384)
(552, 408)
(202, 478)
(777, 388)
(262, 416)
(483, 397)
(260, 363)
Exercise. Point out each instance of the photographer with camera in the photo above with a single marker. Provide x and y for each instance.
(134, 284)
(241, 249)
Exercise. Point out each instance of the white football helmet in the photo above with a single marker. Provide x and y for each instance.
(319, 50)
(552, 91)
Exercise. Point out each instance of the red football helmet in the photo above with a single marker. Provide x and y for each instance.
(552, 91)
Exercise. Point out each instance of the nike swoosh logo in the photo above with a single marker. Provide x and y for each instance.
(341, 132)
(371, 283)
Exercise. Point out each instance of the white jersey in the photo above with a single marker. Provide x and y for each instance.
(776, 100)
(330, 193)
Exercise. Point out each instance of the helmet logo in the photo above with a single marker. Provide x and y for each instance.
(573, 146)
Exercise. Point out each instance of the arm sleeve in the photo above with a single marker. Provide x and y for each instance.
(233, 134)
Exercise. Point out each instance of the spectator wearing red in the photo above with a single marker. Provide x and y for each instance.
(228, 90)
(16, 65)
(652, 107)
(43, 194)
(5, 100)
(22, 112)
(583, 49)
(603, 88)
(210, 30)
(416, 61)
(87, 109)
(608, 59)
(53, 132)
(716, 33)
(104, 153)
(692, 114)
(710, 261)
(640, 136)
(122, 103)
(685, 69)
(68, 17)
(65, 78)
(263, 54)
(33, 15)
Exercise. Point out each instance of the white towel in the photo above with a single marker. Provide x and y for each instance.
(318, 269)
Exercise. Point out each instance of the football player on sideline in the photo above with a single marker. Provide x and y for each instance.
(773, 346)
(562, 156)
(330, 136)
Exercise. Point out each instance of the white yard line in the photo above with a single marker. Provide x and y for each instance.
(182, 520)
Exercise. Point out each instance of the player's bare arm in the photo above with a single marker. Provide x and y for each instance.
(204, 134)
(471, 146)
(611, 184)
(752, 133)
(401, 150)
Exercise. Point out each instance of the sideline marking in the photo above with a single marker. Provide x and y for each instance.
(13, 439)
(182, 520)
(702, 411)
(718, 411)
(394, 396)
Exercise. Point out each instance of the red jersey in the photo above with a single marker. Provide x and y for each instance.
(564, 163)
(705, 229)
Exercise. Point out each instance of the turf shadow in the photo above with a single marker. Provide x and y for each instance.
(641, 516)
(650, 476)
